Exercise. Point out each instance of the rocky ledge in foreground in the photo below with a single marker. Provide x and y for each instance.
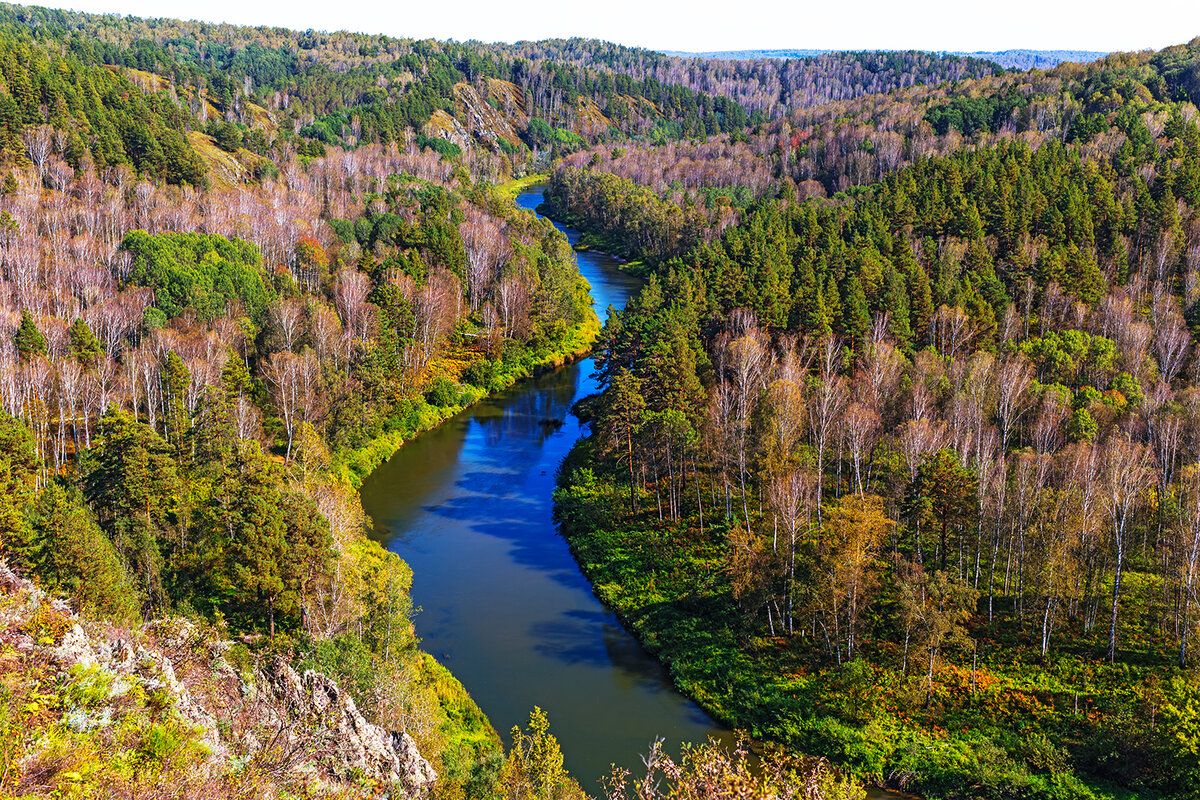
(159, 711)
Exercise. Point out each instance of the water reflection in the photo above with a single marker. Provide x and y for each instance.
(469, 505)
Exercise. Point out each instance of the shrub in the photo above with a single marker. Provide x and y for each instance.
(442, 393)
(482, 373)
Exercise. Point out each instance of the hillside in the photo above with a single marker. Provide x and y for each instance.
(161, 707)
(345, 89)
(342, 88)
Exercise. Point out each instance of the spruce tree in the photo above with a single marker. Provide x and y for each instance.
(85, 347)
(29, 340)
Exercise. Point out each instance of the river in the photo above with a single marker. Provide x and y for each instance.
(502, 602)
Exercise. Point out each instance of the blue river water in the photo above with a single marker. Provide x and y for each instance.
(502, 602)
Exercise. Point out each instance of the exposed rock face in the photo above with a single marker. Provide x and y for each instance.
(447, 127)
(304, 726)
(487, 123)
(357, 746)
(499, 112)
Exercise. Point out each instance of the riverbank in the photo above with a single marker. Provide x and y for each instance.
(456, 732)
(458, 735)
(469, 506)
(354, 466)
(509, 190)
(994, 732)
(595, 241)
(514, 364)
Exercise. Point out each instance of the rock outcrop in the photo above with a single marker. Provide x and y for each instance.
(299, 729)
(359, 748)
(445, 126)
(488, 124)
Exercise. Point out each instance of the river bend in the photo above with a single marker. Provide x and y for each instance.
(502, 602)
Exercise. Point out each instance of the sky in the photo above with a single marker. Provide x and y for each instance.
(706, 25)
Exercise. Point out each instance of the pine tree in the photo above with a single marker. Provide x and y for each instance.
(620, 421)
(175, 384)
(1082, 275)
(77, 560)
(29, 340)
(895, 302)
(832, 302)
(806, 294)
(941, 499)
(856, 317)
(85, 347)
(132, 484)
(18, 471)
(671, 382)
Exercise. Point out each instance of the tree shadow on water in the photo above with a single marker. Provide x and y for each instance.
(596, 638)
(496, 508)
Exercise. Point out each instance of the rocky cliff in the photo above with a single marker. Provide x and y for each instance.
(496, 111)
(88, 709)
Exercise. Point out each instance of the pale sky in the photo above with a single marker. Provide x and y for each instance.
(727, 25)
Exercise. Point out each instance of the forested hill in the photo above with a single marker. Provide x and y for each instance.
(1008, 59)
(137, 91)
(306, 89)
(771, 85)
(1106, 107)
(906, 475)
(1036, 59)
(211, 326)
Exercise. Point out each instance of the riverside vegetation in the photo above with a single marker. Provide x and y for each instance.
(902, 472)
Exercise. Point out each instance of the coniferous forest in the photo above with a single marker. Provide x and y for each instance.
(895, 462)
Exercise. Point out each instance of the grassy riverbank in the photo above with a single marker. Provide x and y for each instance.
(423, 414)
(510, 189)
(453, 732)
(1016, 726)
(588, 241)
(592, 239)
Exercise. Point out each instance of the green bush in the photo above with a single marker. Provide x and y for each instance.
(442, 393)
(482, 374)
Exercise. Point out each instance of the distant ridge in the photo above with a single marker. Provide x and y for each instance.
(1036, 59)
(1009, 59)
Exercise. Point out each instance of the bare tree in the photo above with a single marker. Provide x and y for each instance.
(1126, 469)
(39, 146)
(1012, 395)
(791, 496)
(950, 331)
(283, 373)
(487, 250)
(862, 427)
(1172, 343)
(827, 401)
(351, 288)
(288, 319)
(742, 362)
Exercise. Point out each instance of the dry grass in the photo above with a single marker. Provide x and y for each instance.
(225, 170)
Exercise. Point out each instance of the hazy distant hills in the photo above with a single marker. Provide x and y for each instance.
(1036, 59)
(1009, 59)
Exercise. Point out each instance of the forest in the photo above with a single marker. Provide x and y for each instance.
(193, 383)
(903, 474)
(199, 364)
(895, 466)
